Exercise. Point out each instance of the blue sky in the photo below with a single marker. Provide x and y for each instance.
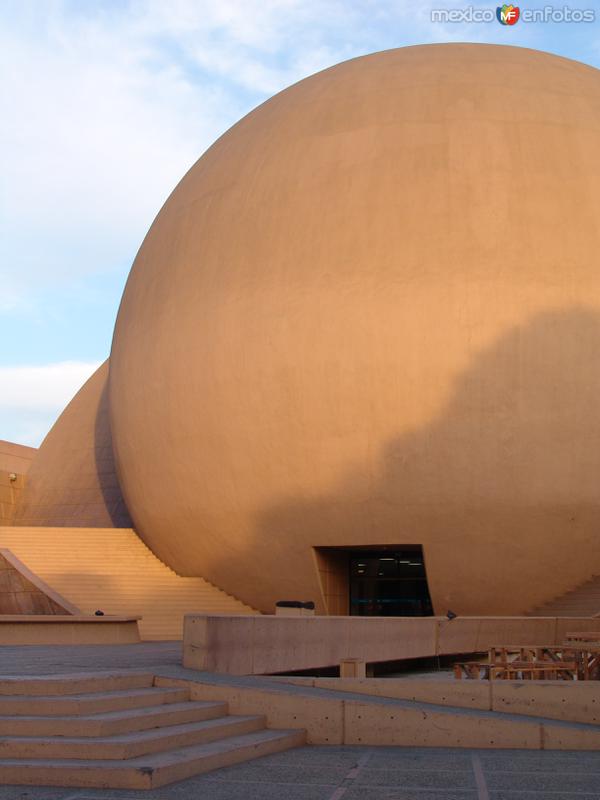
(105, 105)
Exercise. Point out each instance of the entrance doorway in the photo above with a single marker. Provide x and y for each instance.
(389, 583)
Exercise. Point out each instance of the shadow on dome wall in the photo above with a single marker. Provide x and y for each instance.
(105, 466)
(502, 490)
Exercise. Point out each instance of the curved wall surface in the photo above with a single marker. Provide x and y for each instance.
(72, 480)
(370, 315)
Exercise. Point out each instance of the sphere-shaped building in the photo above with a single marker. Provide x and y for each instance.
(355, 360)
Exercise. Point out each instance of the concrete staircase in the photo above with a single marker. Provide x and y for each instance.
(121, 731)
(111, 569)
(583, 601)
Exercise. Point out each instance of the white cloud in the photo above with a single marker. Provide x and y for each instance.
(43, 388)
(103, 113)
(104, 106)
(28, 428)
(94, 137)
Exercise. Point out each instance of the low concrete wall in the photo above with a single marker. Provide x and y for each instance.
(333, 718)
(571, 701)
(262, 645)
(36, 629)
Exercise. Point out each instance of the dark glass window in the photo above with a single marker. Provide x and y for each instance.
(389, 584)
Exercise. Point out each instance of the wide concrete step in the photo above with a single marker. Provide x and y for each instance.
(76, 683)
(582, 601)
(579, 611)
(148, 771)
(117, 573)
(573, 614)
(113, 722)
(568, 602)
(93, 703)
(190, 603)
(123, 583)
(112, 570)
(128, 745)
(571, 607)
(572, 601)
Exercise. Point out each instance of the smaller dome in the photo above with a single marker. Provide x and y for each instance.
(72, 481)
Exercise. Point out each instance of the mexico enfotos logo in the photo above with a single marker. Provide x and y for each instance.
(509, 15)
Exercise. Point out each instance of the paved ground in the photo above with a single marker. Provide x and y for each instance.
(372, 773)
(53, 659)
(320, 772)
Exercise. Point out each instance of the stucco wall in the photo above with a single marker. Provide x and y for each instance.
(10, 493)
(16, 457)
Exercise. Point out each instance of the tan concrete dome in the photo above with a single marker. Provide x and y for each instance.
(369, 316)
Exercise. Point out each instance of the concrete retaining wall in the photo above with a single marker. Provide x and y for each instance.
(333, 718)
(577, 701)
(35, 629)
(262, 645)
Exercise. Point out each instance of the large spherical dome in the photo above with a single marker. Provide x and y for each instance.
(369, 316)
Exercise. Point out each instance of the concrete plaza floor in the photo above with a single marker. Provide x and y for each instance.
(372, 773)
(321, 772)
